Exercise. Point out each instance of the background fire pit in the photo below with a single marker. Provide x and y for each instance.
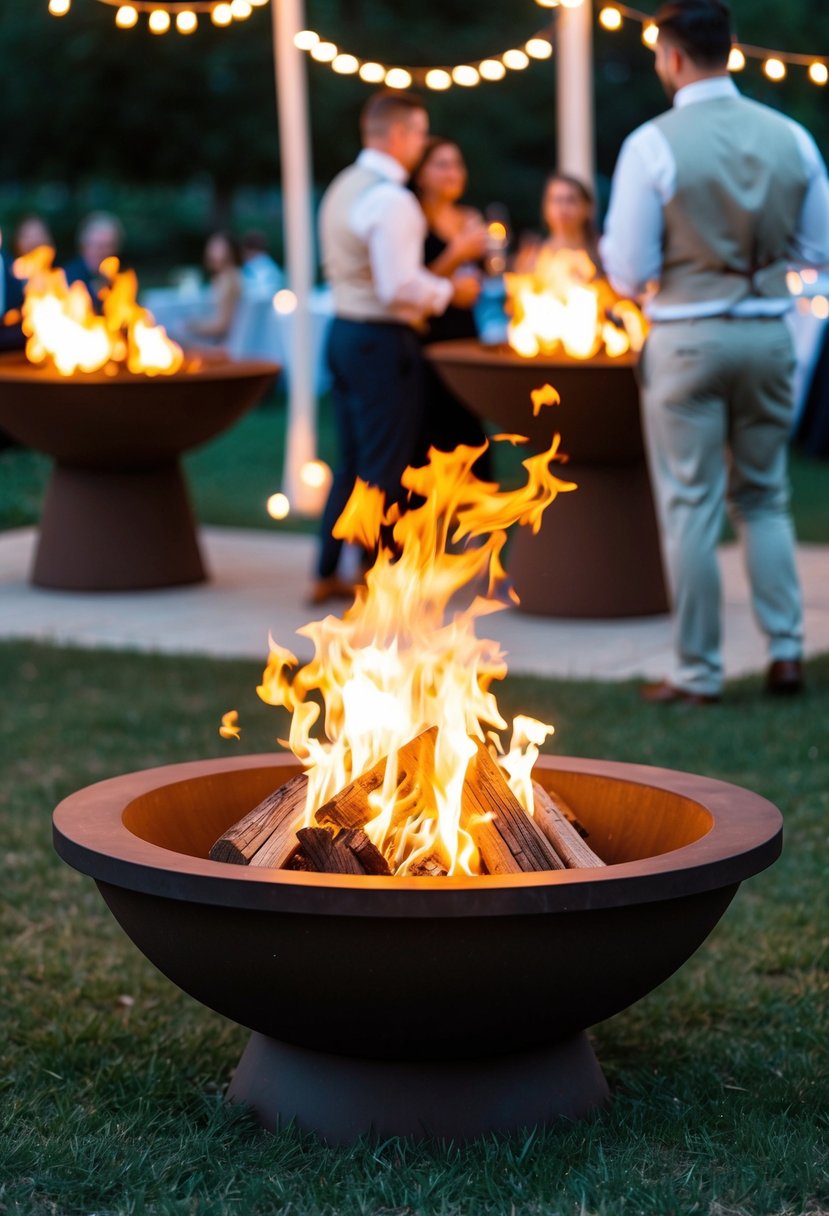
(597, 555)
(117, 515)
(451, 1006)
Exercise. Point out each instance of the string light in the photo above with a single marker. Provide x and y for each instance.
(159, 21)
(775, 64)
(516, 61)
(538, 48)
(610, 18)
(464, 75)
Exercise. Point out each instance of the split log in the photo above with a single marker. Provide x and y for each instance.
(510, 842)
(270, 826)
(327, 854)
(349, 807)
(554, 817)
(428, 867)
(368, 855)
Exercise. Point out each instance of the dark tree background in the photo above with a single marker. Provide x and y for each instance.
(179, 131)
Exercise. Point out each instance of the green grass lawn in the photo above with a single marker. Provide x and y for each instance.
(232, 477)
(112, 1079)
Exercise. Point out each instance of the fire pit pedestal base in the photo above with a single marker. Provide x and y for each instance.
(104, 531)
(342, 1098)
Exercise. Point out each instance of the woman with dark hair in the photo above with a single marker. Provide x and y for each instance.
(222, 261)
(456, 238)
(568, 210)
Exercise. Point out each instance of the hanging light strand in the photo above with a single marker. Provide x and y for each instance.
(774, 63)
(165, 15)
(438, 77)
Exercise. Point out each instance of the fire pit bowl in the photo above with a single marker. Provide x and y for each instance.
(117, 516)
(448, 1006)
(597, 554)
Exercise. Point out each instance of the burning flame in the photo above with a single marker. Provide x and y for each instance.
(63, 328)
(405, 658)
(563, 304)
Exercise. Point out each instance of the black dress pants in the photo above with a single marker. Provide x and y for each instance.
(377, 392)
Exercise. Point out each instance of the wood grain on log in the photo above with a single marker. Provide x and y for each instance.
(509, 842)
(280, 813)
(553, 816)
(327, 855)
(368, 855)
(349, 807)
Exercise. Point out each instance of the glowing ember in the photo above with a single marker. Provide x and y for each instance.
(63, 329)
(562, 304)
(405, 658)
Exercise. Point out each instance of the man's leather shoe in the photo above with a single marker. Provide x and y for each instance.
(664, 693)
(326, 589)
(784, 677)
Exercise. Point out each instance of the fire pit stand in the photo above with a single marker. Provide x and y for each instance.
(597, 554)
(117, 515)
(446, 1006)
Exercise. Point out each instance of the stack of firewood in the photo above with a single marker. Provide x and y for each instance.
(508, 839)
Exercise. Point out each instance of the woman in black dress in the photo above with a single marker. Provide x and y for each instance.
(456, 237)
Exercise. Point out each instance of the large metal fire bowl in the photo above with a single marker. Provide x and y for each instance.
(117, 515)
(597, 554)
(418, 1006)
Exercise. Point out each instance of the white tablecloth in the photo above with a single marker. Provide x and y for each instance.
(258, 331)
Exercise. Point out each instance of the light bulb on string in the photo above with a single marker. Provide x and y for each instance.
(492, 69)
(515, 60)
(186, 22)
(610, 18)
(818, 72)
(650, 34)
(324, 52)
(398, 78)
(240, 9)
(159, 21)
(59, 8)
(306, 39)
(736, 60)
(345, 65)
(465, 75)
(438, 79)
(775, 69)
(126, 17)
(221, 15)
(538, 48)
(372, 73)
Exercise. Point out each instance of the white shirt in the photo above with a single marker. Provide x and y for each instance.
(644, 182)
(389, 219)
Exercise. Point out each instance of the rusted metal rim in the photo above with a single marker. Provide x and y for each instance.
(469, 350)
(745, 836)
(15, 368)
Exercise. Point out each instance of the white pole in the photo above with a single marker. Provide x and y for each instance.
(297, 187)
(574, 92)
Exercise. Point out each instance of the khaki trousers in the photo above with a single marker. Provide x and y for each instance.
(717, 405)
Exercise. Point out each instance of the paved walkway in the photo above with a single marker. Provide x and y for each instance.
(258, 583)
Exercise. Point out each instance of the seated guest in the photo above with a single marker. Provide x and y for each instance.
(222, 261)
(32, 233)
(569, 212)
(262, 278)
(100, 236)
(456, 238)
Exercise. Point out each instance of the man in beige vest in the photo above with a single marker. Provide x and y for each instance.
(710, 203)
(372, 233)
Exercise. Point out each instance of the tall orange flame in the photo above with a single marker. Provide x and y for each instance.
(63, 329)
(405, 656)
(562, 304)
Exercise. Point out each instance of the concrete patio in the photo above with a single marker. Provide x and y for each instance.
(259, 580)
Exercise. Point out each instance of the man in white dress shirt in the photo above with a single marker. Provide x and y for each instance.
(709, 205)
(372, 233)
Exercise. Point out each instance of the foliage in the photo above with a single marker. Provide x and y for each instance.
(90, 106)
(112, 1079)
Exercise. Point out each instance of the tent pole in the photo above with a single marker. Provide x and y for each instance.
(574, 91)
(297, 194)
